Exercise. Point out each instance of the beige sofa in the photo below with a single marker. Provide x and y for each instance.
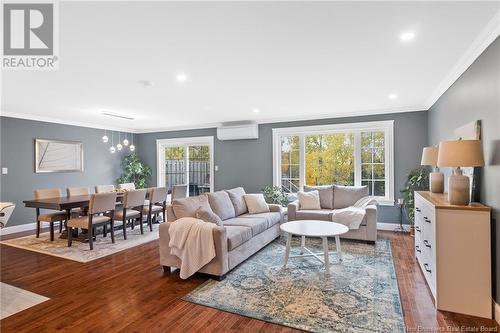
(336, 197)
(242, 235)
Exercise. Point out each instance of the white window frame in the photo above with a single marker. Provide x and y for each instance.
(356, 128)
(161, 144)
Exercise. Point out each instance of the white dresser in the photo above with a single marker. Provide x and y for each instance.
(453, 248)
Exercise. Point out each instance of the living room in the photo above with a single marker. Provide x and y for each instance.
(250, 166)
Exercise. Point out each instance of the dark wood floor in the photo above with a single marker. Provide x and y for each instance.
(128, 292)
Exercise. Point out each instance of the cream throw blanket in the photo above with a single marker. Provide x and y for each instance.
(352, 216)
(192, 241)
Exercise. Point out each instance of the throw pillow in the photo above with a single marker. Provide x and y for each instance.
(325, 195)
(208, 216)
(236, 196)
(187, 207)
(309, 200)
(221, 205)
(346, 196)
(256, 203)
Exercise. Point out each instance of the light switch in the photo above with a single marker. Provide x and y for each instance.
(5, 171)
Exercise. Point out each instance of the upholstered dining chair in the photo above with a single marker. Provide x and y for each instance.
(100, 203)
(157, 205)
(133, 203)
(127, 186)
(50, 217)
(179, 191)
(104, 188)
(76, 191)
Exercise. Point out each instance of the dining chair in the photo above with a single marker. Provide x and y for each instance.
(6, 210)
(127, 186)
(179, 191)
(51, 217)
(157, 204)
(100, 203)
(133, 203)
(76, 191)
(104, 188)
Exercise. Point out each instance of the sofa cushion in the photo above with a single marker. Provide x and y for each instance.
(257, 224)
(309, 200)
(256, 203)
(325, 195)
(221, 204)
(345, 196)
(314, 214)
(271, 217)
(187, 207)
(208, 216)
(239, 204)
(237, 235)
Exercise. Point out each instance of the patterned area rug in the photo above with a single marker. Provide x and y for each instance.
(80, 251)
(14, 300)
(359, 295)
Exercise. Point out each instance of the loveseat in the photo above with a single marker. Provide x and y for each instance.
(241, 235)
(337, 197)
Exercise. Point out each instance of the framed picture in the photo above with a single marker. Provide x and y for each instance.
(58, 156)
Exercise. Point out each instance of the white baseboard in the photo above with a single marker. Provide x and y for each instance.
(497, 312)
(23, 227)
(391, 226)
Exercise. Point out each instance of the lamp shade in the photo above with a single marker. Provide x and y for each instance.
(460, 153)
(430, 156)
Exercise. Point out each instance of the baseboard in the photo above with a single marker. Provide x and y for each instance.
(22, 227)
(497, 312)
(391, 226)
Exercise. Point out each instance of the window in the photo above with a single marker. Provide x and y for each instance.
(345, 154)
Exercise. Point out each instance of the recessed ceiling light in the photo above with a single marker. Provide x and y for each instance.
(407, 36)
(255, 110)
(181, 77)
(393, 96)
(146, 83)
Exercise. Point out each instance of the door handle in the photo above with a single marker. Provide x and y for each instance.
(426, 266)
(418, 228)
(426, 243)
(426, 219)
(418, 248)
(417, 209)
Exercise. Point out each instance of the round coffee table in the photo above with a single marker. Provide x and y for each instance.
(313, 228)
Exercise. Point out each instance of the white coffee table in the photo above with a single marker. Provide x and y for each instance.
(312, 228)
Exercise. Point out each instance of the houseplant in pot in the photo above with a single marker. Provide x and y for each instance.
(417, 180)
(275, 195)
(134, 171)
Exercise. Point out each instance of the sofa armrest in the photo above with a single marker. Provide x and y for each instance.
(278, 209)
(293, 207)
(371, 222)
(170, 213)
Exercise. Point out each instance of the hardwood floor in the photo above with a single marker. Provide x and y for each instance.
(128, 292)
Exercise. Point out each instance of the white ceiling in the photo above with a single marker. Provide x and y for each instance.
(291, 60)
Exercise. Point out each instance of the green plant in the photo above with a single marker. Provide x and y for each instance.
(418, 180)
(275, 195)
(134, 171)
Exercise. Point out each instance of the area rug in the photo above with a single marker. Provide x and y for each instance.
(359, 295)
(80, 251)
(14, 300)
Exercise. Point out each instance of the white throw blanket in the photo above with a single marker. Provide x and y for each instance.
(192, 241)
(352, 216)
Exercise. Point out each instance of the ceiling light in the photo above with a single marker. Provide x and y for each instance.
(181, 77)
(146, 83)
(393, 96)
(407, 36)
(116, 115)
(255, 110)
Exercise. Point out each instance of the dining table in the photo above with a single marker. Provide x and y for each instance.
(65, 204)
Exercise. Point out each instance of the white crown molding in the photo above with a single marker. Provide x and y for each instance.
(63, 121)
(487, 36)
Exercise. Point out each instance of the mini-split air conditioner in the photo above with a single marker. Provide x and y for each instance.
(238, 131)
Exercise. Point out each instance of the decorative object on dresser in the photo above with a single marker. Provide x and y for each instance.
(456, 154)
(58, 156)
(452, 246)
(436, 178)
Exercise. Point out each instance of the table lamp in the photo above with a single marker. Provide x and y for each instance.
(436, 178)
(456, 154)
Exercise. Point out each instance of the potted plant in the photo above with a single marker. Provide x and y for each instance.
(275, 195)
(418, 180)
(134, 171)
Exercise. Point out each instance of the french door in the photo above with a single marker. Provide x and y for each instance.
(186, 161)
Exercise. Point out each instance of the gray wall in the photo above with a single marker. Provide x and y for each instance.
(17, 154)
(248, 163)
(476, 96)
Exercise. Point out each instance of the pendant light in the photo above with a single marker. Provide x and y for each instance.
(125, 141)
(105, 138)
(119, 145)
(132, 147)
(112, 149)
